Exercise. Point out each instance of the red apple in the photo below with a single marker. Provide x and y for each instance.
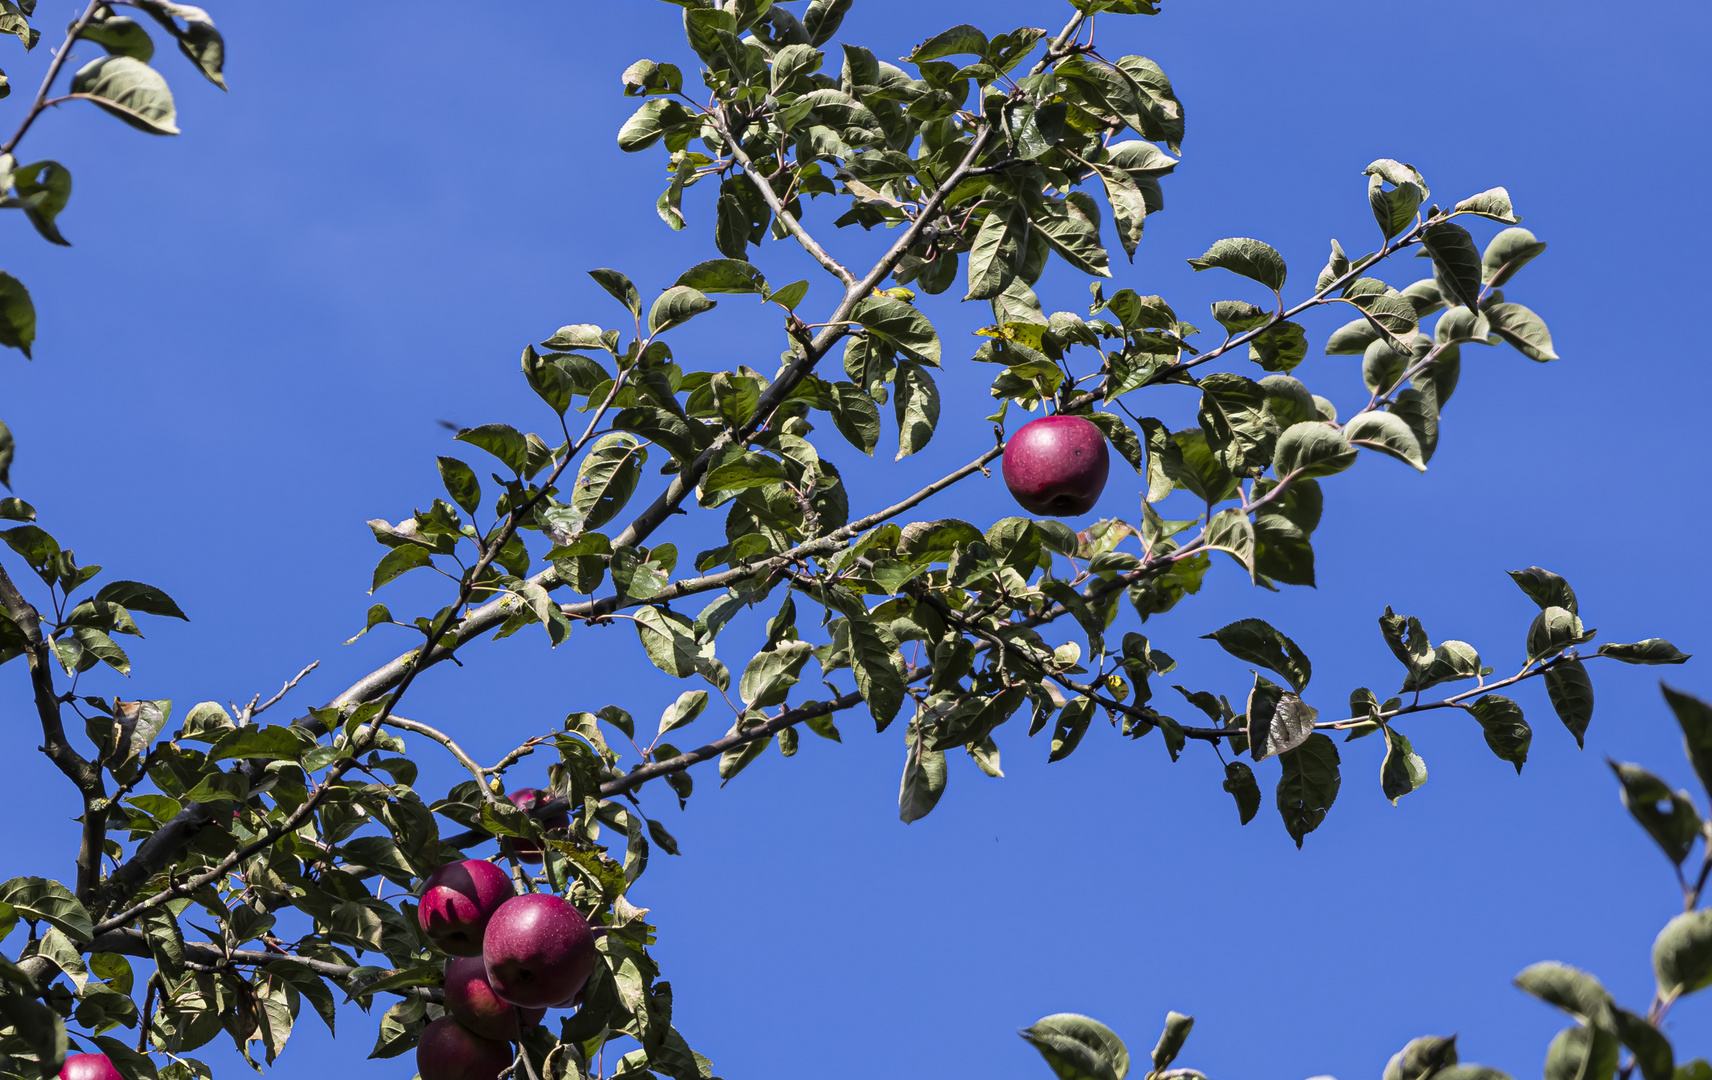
(472, 1002)
(538, 951)
(1057, 465)
(527, 799)
(89, 1067)
(449, 1051)
(457, 901)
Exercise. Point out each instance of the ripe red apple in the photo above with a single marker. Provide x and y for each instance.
(89, 1067)
(538, 951)
(1057, 465)
(457, 901)
(526, 799)
(449, 1051)
(472, 1002)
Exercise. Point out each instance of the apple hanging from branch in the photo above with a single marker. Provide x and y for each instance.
(1057, 465)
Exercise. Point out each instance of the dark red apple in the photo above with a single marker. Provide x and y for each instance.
(526, 799)
(472, 1002)
(89, 1067)
(457, 901)
(1057, 465)
(538, 951)
(449, 1051)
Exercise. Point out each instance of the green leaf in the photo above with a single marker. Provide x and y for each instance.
(40, 1028)
(1682, 954)
(689, 705)
(1506, 732)
(461, 483)
(1177, 1028)
(1317, 449)
(1122, 437)
(1280, 347)
(1257, 642)
(915, 399)
(1646, 796)
(1422, 1059)
(1393, 209)
(1455, 259)
(676, 306)
(420, 973)
(1388, 434)
(878, 667)
(1553, 630)
(771, 674)
(1240, 782)
(996, 253)
(1078, 1048)
(43, 900)
(17, 331)
(1071, 227)
(502, 441)
(207, 720)
(121, 37)
(1352, 338)
(1570, 989)
(129, 89)
(922, 784)
(670, 642)
(823, 18)
(855, 415)
(44, 187)
(724, 276)
(1508, 252)
(607, 478)
(899, 325)
(1545, 588)
(1402, 771)
(1651, 651)
(1571, 693)
(1523, 329)
(1308, 786)
(645, 77)
(1492, 203)
(1250, 258)
(1072, 725)
(1449, 661)
(259, 743)
(650, 122)
(1238, 316)
(621, 289)
(1652, 1050)
(959, 40)
(398, 561)
(1695, 718)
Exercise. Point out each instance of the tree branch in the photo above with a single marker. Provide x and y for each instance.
(41, 102)
(792, 225)
(164, 845)
(79, 770)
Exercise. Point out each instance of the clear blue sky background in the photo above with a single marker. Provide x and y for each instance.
(244, 356)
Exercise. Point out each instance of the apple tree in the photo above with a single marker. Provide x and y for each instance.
(493, 923)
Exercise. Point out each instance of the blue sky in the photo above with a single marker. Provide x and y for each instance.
(245, 354)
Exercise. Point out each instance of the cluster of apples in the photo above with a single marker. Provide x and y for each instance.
(514, 957)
